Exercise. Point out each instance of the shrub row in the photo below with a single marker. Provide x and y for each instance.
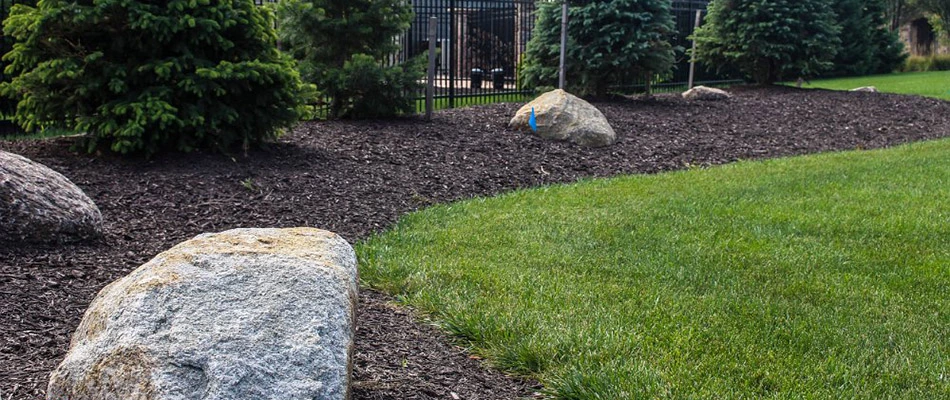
(612, 41)
(925, 64)
(773, 40)
(141, 76)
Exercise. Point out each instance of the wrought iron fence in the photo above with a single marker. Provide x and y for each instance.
(479, 44)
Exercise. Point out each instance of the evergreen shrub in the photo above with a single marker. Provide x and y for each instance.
(346, 47)
(769, 40)
(143, 76)
(609, 41)
(867, 45)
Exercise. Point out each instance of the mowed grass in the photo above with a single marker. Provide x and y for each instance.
(817, 277)
(930, 84)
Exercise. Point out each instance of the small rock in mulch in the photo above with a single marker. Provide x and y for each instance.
(40, 205)
(706, 94)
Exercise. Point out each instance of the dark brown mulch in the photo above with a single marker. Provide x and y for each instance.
(355, 178)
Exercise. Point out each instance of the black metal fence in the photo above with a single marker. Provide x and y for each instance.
(479, 44)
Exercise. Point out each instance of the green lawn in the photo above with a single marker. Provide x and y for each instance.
(931, 84)
(814, 277)
(468, 101)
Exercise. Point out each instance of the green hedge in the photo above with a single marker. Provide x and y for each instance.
(925, 64)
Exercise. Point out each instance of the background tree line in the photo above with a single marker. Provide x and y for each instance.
(767, 40)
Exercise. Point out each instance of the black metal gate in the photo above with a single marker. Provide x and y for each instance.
(479, 44)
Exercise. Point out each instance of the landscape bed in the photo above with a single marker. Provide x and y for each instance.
(357, 178)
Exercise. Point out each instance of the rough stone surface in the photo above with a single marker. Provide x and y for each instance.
(39, 205)
(706, 93)
(241, 314)
(870, 89)
(563, 116)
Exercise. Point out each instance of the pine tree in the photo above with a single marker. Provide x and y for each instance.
(142, 76)
(342, 46)
(769, 40)
(867, 45)
(610, 41)
(8, 105)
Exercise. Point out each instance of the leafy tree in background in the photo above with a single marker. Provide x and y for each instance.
(898, 11)
(609, 41)
(769, 40)
(867, 45)
(142, 76)
(939, 7)
(343, 46)
(940, 14)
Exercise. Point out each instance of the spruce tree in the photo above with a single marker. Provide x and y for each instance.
(8, 105)
(609, 41)
(769, 40)
(867, 45)
(142, 76)
(343, 47)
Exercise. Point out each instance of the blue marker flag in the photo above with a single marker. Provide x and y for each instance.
(533, 121)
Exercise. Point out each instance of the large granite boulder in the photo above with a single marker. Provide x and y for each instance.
(241, 314)
(563, 116)
(40, 205)
(706, 93)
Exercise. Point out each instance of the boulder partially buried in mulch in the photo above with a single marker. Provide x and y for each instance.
(39, 205)
(241, 314)
(560, 115)
(706, 94)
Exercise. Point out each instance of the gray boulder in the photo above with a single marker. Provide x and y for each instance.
(241, 314)
(706, 93)
(563, 116)
(40, 205)
(869, 89)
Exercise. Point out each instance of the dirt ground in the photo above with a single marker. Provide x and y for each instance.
(356, 178)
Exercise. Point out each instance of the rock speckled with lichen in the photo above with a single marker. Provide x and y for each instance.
(706, 94)
(562, 116)
(241, 314)
(39, 205)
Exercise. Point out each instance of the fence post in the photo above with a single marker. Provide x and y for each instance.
(454, 36)
(430, 84)
(561, 73)
(692, 55)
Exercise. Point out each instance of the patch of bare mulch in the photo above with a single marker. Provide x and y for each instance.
(356, 178)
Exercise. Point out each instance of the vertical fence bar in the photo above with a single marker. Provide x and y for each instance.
(455, 44)
(430, 82)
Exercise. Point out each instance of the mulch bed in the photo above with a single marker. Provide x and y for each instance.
(356, 178)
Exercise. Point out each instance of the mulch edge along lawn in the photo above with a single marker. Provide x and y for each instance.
(356, 178)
